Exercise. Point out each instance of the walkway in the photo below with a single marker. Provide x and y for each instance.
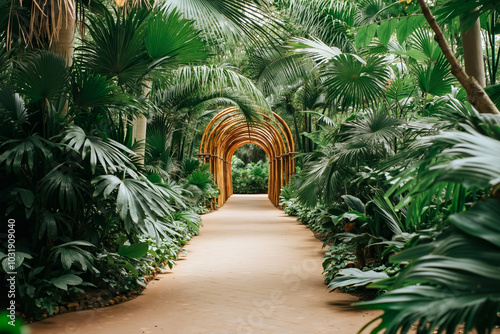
(252, 270)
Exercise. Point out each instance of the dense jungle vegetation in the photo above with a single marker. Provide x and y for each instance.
(103, 104)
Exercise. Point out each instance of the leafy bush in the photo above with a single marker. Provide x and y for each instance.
(252, 178)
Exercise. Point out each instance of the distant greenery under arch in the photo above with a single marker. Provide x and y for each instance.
(250, 170)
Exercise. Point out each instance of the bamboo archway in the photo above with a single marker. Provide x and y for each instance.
(228, 131)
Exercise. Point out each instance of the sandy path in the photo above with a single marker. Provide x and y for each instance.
(252, 270)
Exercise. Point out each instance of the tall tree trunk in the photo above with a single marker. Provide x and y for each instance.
(64, 41)
(475, 93)
(140, 126)
(64, 37)
(139, 135)
(473, 53)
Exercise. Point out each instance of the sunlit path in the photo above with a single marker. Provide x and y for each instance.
(252, 270)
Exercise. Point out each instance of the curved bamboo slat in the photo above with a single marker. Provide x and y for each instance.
(229, 130)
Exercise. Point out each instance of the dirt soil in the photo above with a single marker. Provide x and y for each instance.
(253, 269)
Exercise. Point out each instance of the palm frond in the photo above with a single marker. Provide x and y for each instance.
(434, 77)
(355, 84)
(455, 284)
(173, 40)
(116, 49)
(135, 199)
(243, 19)
(277, 70)
(314, 48)
(108, 153)
(90, 90)
(41, 75)
(189, 80)
(63, 189)
(329, 20)
(376, 128)
(25, 155)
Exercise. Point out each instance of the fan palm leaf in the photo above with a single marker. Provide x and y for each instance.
(353, 83)
(423, 41)
(90, 90)
(375, 129)
(63, 189)
(136, 200)
(26, 154)
(40, 75)
(14, 106)
(434, 77)
(109, 154)
(116, 49)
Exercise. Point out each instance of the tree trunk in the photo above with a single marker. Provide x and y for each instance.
(473, 53)
(475, 92)
(140, 126)
(63, 44)
(139, 135)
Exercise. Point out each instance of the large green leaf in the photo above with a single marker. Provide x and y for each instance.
(14, 104)
(365, 35)
(453, 280)
(20, 155)
(386, 29)
(136, 199)
(71, 254)
(62, 282)
(63, 189)
(353, 83)
(19, 258)
(41, 75)
(355, 277)
(173, 39)
(108, 153)
(407, 25)
(134, 251)
(476, 156)
(116, 49)
(484, 216)
(354, 203)
(434, 307)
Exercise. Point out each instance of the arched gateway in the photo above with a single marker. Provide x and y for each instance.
(228, 131)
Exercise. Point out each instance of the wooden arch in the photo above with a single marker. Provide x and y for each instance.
(228, 131)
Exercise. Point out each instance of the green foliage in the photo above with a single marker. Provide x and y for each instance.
(351, 82)
(86, 213)
(336, 259)
(252, 178)
(355, 278)
(457, 281)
